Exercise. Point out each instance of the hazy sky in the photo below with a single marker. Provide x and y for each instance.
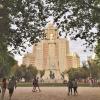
(77, 47)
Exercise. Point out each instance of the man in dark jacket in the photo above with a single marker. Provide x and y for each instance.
(35, 84)
(70, 86)
(11, 86)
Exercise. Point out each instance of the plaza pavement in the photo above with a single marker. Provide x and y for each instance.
(54, 93)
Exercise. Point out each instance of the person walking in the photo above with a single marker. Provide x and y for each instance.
(70, 86)
(11, 86)
(3, 88)
(75, 86)
(35, 84)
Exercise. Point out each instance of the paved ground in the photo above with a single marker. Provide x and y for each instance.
(54, 93)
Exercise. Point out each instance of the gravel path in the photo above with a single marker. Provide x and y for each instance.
(54, 93)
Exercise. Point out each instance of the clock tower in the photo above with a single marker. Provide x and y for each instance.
(51, 32)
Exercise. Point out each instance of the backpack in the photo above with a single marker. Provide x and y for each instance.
(11, 84)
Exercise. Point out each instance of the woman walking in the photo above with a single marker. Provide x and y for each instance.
(3, 88)
(75, 85)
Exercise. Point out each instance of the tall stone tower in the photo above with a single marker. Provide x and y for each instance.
(52, 55)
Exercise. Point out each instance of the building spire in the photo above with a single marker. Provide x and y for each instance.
(51, 31)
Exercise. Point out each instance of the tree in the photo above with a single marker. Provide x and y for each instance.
(97, 52)
(26, 72)
(6, 58)
(26, 17)
(73, 74)
(79, 17)
(6, 64)
(14, 69)
(79, 73)
(94, 68)
(42, 72)
(84, 73)
(97, 57)
(18, 73)
(4, 27)
(30, 16)
(4, 24)
(31, 71)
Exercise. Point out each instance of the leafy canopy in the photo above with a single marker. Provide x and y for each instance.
(97, 51)
(28, 17)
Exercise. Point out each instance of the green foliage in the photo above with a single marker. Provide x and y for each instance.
(97, 59)
(18, 73)
(97, 51)
(84, 15)
(29, 84)
(30, 16)
(13, 70)
(31, 71)
(42, 72)
(94, 69)
(6, 59)
(6, 63)
(4, 21)
(26, 72)
(72, 74)
(78, 73)
(28, 19)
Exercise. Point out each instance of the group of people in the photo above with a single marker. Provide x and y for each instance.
(10, 85)
(72, 87)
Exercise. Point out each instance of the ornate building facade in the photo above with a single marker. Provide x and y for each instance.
(52, 54)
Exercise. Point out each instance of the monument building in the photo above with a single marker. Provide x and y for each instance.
(52, 54)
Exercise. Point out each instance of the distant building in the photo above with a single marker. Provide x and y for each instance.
(52, 54)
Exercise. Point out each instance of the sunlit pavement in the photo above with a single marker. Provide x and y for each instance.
(54, 93)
